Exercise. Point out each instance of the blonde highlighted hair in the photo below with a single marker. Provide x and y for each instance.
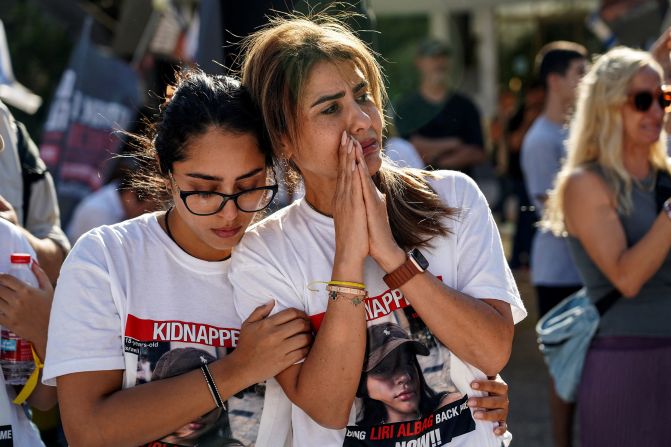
(596, 131)
(277, 63)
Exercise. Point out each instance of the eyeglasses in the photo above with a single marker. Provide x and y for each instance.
(642, 101)
(207, 203)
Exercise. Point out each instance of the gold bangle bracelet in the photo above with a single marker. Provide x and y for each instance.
(356, 285)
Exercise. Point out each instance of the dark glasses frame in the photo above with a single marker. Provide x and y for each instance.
(642, 100)
(224, 197)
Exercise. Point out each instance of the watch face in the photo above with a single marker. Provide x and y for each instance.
(419, 258)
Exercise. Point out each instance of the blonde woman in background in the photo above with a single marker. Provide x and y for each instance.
(604, 199)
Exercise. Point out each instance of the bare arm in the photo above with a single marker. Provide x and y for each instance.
(49, 253)
(448, 152)
(661, 50)
(464, 156)
(120, 417)
(482, 335)
(590, 216)
(324, 386)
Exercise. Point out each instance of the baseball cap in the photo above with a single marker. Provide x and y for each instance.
(179, 361)
(433, 47)
(383, 339)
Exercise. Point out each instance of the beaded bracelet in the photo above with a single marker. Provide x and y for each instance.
(359, 295)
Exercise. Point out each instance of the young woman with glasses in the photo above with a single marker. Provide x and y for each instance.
(130, 293)
(607, 200)
(381, 237)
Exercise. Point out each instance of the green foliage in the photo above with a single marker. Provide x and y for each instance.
(520, 42)
(397, 43)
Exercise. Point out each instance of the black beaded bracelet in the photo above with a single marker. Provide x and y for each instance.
(214, 391)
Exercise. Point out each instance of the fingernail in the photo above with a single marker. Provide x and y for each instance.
(471, 402)
(349, 147)
(475, 385)
(478, 415)
(343, 139)
(353, 165)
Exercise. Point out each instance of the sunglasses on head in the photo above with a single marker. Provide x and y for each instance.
(642, 101)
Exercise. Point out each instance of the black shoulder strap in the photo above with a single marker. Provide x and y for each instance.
(606, 302)
(33, 168)
(662, 188)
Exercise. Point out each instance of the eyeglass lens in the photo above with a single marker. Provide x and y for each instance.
(248, 201)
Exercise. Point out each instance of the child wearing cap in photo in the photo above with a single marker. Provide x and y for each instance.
(393, 387)
(211, 429)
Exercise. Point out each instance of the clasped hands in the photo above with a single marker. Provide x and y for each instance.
(360, 211)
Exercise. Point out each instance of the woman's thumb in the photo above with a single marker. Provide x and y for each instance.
(261, 312)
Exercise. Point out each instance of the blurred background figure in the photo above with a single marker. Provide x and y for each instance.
(27, 195)
(560, 66)
(516, 128)
(114, 202)
(443, 125)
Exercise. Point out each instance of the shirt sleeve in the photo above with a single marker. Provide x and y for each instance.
(85, 326)
(482, 269)
(257, 279)
(540, 165)
(44, 215)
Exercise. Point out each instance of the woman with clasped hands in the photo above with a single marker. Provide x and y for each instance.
(367, 229)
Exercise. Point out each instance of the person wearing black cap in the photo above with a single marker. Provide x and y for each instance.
(442, 124)
(392, 385)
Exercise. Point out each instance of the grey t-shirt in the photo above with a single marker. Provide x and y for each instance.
(542, 153)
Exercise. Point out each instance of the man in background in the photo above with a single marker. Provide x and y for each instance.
(560, 66)
(443, 125)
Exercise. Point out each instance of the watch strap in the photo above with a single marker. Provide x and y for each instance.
(402, 274)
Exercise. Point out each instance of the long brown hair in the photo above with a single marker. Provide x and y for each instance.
(276, 65)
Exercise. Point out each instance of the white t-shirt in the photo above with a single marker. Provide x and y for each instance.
(13, 421)
(128, 297)
(102, 207)
(281, 258)
(403, 153)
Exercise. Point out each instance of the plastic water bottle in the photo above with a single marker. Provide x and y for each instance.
(16, 357)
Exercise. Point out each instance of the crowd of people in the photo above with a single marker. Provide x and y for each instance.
(378, 307)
